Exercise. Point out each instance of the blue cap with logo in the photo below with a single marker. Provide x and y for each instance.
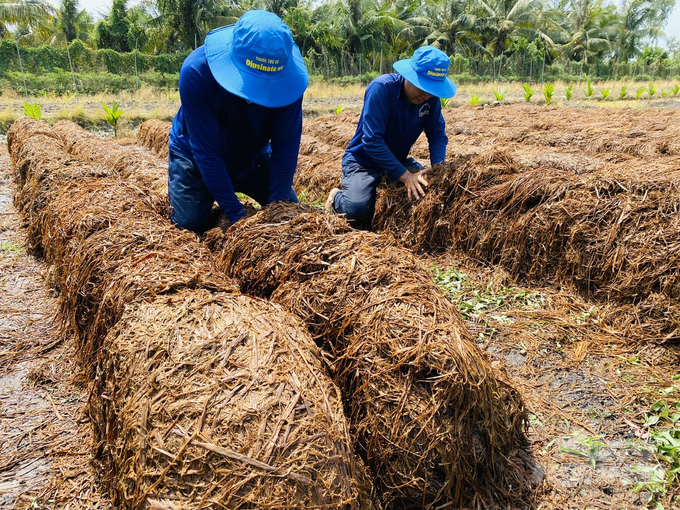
(428, 70)
(257, 59)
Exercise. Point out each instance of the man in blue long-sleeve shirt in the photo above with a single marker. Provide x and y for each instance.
(240, 123)
(398, 107)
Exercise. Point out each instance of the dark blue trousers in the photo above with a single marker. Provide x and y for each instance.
(192, 202)
(356, 199)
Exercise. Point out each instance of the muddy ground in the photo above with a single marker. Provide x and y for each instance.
(598, 400)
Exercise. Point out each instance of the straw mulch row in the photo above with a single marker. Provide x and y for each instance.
(436, 424)
(130, 162)
(612, 234)
(202, 398)
(154, 134)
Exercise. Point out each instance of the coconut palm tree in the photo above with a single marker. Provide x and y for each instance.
(24, 12)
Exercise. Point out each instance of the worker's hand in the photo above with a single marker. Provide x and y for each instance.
(415, 183)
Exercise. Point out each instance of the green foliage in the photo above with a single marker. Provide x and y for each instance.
(8, 246)
(499, 94)
(444, 101)
(623, 92)
(548, 91)
(665, 93)
(48, 59)
(339, 109)
(475, 100)
(476, 302)
(651, 89)
(605, 94)
(590, 90)
(662, 424)
(32, 110)
(112, 33)
(639, 92)
(675, 89)
(528, 92)
(113, 113)
(569, 92)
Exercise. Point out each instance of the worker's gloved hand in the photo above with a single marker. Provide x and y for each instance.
(415, 183)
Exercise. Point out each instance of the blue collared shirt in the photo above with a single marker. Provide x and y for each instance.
(389, 126)
(223, 134)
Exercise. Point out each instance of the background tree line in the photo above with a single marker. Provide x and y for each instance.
(531, 40)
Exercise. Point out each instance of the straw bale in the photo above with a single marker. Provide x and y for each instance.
(434, 422)
(133, 259)
(82, 207)
(328, 129)
(220, 401)
(315, 176)
(612, 234)
(154, 134)
(131, 162)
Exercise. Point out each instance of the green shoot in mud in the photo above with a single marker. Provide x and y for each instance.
(651, 89)
(569, 92)
(662, 423)
(593, 445)
(31, 110)
(675, 89)
(528, 92)
(664, 93)
(475, 100)
(499, 94)
(590, 90)
(605, 94)
(623, 92)
(639, 92)
(8, 246)
(548, 91)
(113, 113)
(476, 303)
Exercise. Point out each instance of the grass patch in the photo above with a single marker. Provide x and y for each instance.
(8, 246)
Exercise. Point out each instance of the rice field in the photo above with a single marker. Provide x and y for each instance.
(508, 341)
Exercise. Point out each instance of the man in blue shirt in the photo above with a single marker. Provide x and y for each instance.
(240, 123)
(398, 107)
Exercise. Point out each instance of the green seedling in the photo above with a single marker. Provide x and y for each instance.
(623, 92)
(475, 100)
(665, 93)
(339, 109)
(569, 92)
(548, 91)
(32, 110)
(113, 113)
(639, 92)
(444, 101)
(8, 246)
(499, 94)
(651, 90)
(590, 90)
(675, 89)
(605, 94)
(528, 92)
(662, 423)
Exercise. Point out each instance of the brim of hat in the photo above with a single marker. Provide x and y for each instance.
(283, 90)
(445, 88)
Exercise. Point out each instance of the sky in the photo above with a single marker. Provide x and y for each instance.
(94, 6)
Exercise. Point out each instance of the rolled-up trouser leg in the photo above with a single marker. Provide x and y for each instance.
(189, 197)
(356, 199)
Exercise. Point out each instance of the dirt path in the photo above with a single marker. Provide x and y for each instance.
(44, 432)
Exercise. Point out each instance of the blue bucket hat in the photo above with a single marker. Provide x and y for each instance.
(257, 59)
(428, 70)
